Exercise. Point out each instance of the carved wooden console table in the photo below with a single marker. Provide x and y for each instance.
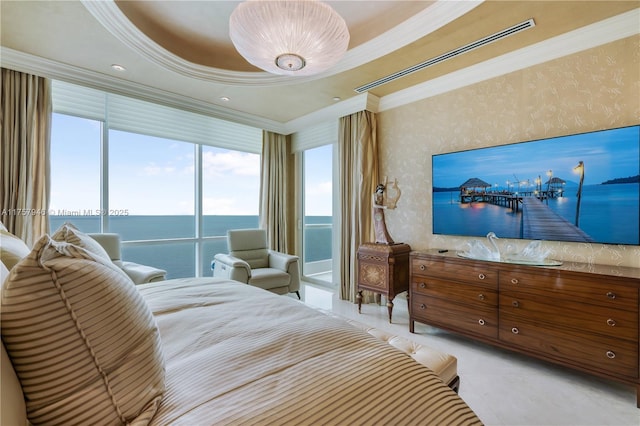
(581, 316)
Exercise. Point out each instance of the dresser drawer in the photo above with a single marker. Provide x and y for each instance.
(478, 273)
(479, 321)
(454, 291)
(564, 286)
(563, 314)
(604, 354)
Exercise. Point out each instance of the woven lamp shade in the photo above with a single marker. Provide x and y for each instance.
(285, 37)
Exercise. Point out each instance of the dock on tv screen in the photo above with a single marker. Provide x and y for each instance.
(579, 188)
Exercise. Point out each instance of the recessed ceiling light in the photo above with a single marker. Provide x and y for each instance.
(336, 98)
(118, 67)
(225, 98)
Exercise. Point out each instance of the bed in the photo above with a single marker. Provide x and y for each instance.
(214, 351)
(252, 357)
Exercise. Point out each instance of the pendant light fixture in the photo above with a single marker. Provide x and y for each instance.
(289, 37)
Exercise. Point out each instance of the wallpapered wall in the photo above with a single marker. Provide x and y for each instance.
(595, 89)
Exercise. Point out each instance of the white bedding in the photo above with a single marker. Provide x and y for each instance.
(236, 354)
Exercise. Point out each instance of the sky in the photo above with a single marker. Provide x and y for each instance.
(606, 155)
(155, 176)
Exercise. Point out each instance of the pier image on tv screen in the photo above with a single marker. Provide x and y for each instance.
(581, 188)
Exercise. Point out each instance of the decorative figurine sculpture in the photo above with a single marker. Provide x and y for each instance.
(477, 250)
(534, 252)
(380, 203)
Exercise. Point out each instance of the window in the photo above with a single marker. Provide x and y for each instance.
(75, 171)
(151, 174)
(151, 187)
(316, 157)
(318, 215)
(230, 197)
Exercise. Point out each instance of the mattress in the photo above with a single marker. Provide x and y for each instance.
(239, 355)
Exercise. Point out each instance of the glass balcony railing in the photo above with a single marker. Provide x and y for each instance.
(317, 256)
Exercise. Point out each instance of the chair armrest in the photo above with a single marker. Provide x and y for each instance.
(141, 274)
(280, 260)
(231, 267)
(288, 263)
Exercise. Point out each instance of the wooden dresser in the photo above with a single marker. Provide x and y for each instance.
(383, 269)
(577, 315)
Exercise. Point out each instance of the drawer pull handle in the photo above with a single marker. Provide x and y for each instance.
(423, 285)
(422, 267)
(515, 330)
(514, 281)
(611, 295)
(481, 296)
(423, 306)
(481, 276)
(611, 354)
(481, 321)
(611, 322)
(515, 303)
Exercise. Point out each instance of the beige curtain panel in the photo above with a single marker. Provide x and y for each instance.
(24, 154)
(358, 170)
(274, 188)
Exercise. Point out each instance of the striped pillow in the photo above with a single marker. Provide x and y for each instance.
(69, 233)
(83, 342)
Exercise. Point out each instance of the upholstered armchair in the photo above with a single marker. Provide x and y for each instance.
(139, 274)
(251, 262)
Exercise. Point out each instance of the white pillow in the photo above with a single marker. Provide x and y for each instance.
(82, 340)
(12, 249)
(4, 273)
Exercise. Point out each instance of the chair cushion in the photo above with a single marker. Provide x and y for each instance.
(268, 278)
(255, 258)
(82, 340)
(110, 242)
(13, 248)
(249, 245)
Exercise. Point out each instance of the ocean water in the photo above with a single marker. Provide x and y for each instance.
(608, 213)
(178, 258)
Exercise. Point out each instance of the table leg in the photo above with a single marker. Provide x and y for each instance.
(390, 308)
(359, 300)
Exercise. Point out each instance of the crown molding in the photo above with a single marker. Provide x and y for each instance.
(606, 31)
(25, 62)
(109, 15)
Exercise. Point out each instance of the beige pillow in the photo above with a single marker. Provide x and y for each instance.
(13, 410)
(69, 233)
(81, 338)
(12, 248)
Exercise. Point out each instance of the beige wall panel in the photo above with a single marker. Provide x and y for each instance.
(595, 89)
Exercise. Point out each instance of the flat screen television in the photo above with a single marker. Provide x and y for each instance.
(581, 188)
